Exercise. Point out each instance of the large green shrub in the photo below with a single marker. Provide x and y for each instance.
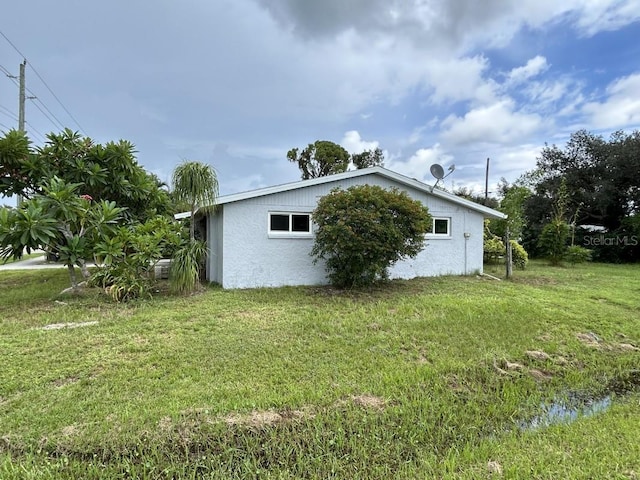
(577, 254)
(493, 246)
(553, 240)
(519, 256)
(186, 264)
(495, 251)
(128, 260)
(364, 230)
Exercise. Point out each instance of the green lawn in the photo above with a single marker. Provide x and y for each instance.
(412, 380)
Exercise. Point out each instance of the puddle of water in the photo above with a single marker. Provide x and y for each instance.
(567, 410)
(573, 405)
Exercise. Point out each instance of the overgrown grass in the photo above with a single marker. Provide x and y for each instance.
(415, 379)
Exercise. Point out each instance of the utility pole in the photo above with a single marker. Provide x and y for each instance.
(21, 101)
(486, 183)
(22, 97)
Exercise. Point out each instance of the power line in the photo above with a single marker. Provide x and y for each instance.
(44, 83)
(37, 132)
(35, 99)
(11, 43)
(3, 125)
(47, 116)
(56, 97)
(9, 75)
(8, 113)
(6, 72)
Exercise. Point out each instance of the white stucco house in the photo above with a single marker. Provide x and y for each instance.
(262, 238)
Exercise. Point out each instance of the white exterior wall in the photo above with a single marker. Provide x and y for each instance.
(245, 256)
(215, 242)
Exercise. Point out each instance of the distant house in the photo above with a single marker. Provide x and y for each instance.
(262, 238)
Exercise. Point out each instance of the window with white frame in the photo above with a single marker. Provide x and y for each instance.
(295, 224)
(441, 227)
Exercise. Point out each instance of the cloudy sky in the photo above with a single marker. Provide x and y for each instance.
(237, 83)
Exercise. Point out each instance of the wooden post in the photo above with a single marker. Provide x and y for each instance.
(508, 262)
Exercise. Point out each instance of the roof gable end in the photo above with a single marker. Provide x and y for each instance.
(380, 171)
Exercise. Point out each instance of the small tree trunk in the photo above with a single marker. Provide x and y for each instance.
(83, 269)
(509, 258)
(72, 276)
(192, 230)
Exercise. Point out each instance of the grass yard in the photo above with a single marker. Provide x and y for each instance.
(430, 378)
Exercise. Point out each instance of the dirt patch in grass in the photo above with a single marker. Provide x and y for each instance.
(70, 431)
(537, 355)
(589, 339)
(534, 281)
(540, 375)
(60, 326)
(258, 419)
(592, 340)
(62, 382)
(369, 402)
(255, 419)
(494, 468)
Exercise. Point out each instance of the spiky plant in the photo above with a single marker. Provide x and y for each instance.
(196, 184)
(185, 267)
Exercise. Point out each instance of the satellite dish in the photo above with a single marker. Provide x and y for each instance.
(437, 171)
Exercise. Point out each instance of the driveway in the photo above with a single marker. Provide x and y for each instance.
(33, 263)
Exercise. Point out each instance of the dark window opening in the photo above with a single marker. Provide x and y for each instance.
(441, 226)
(300, 223)
(279, 223)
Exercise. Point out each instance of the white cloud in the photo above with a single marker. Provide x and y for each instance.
(621, 108)
(353, 142)
(458, 79)
(534, 67)
(496, 123)
(598, 15)
(456, 26)
(512, 162)
(418, 165)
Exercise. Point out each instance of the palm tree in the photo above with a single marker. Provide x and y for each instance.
(196, 184)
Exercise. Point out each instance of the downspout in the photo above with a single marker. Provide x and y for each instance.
(466, 242)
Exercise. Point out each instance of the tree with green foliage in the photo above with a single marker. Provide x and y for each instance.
(128, 258)
(195, 184)
(320, 159)
(364, 230)
(468, 194)
(368, 158)
(107, 172)
(495, 252)
(512, 202)
(553, 238)
(59, 220)
(602, 178)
